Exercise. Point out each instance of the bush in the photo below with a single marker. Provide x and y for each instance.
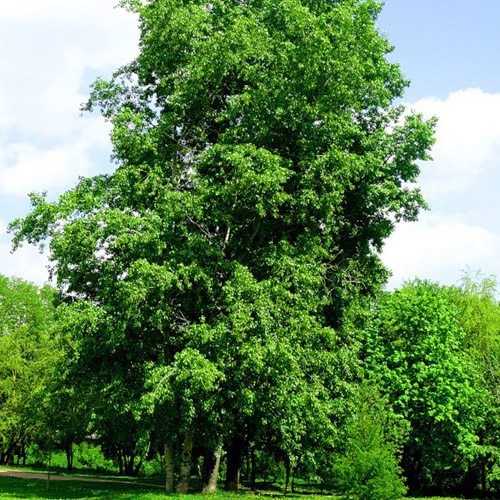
(368, 469)
(90, 456)
(152, 467)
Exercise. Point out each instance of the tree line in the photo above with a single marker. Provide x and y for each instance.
(219, 294)
(412, 397)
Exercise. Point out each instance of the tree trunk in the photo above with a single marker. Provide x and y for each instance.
(129, 464)
(233, 464)
(69, 455)
(483, 476)
(169, 468)
(287, 474)
(185, 470)
(294, 472)
(211, 468)
(138, 466)
(254, 470)
(120, 462)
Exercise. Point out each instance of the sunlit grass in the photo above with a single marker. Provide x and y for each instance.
(31, 489)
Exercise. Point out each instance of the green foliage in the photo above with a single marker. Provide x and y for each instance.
(479, 316)
(413, 347)
(90, 456)
(369, 467)
(28, 355)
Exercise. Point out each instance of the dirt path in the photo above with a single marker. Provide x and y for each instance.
(35, 475)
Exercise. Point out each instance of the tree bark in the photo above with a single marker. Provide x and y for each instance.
(211, 464)
(254, 469)
(169, 468)
(294, 472)
(137, 468)
(69, 455)
(129, 464)
(287, 474)
(120, 462)
(185, 470)
(234, 452)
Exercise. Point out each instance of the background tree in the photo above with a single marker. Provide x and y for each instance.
(479, 316)
(28, 354)
(368, 467)
(414, 348)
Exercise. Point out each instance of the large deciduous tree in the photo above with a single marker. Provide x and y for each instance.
(261, 163)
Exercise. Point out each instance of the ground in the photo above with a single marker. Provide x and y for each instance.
(21, 485)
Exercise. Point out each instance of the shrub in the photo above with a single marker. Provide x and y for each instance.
(91, 456)
(368, 469)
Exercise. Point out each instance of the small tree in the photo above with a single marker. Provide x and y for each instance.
(369, 467)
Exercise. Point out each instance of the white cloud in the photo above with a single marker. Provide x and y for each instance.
(440, 248)
(25, 168)
(51, 51)
(462, 186)
(467, 140)
(26, 263)
(22, 8)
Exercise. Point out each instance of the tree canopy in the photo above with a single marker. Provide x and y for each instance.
(28, 355)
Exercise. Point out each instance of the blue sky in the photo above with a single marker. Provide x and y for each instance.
(450, 50)
(445, 45)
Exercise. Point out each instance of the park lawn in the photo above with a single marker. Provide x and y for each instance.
(24, 489)
(31, 489)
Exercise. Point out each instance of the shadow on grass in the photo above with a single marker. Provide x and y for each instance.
(272, 489)
(14, 488)
(31, 489)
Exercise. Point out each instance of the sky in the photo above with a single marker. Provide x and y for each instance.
(51, 51)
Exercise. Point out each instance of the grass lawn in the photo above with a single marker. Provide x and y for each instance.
(31, 489)
(24, 489)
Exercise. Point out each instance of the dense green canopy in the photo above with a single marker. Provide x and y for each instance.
(27, 360)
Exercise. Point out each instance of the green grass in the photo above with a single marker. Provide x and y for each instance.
(31, 489)
(24, 489)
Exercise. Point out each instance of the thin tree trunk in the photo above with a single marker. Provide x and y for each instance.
(254, 470)
(169, 468)
(483, 476)
(211, 464)
(185, 470)
(138, 466)
(294, 471)
(287, 474)
(69, 455)
(233, 464)
(120, 462)
(129, 464)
